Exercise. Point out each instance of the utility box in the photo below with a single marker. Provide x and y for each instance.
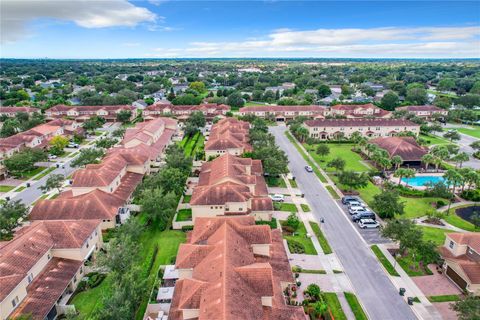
(410, 301)
(402, 291)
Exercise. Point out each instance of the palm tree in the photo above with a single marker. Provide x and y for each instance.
(437, 162)
(404, 172)
(356, 137)
(363, 142)
(428, 159)
(371, 148)
(453, 178)
(460, 158)
(397, 161)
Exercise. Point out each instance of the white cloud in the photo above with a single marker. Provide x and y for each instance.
(374, 42)
(16, 14)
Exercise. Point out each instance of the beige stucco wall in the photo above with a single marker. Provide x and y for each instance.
(185, 273)
(190, 313)
(378, 131)
(262, 215)
(457, 249)
(261, 249)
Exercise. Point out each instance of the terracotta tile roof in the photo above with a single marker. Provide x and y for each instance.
(133, 156)
(228, 280)
(32, 242)
(429, 108)
(210, 108)
(313, 108)
(359, 122)
(471, 239)
(357, 110)
(18, 109)
(47, 288)
(64, 108)
(405, 147)
(99, 175)
(229, 133)
(220, 194)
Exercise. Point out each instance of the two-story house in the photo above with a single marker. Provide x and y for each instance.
(359, 111)
(228, 135)
(284, 113)
(82, 113)
(182, 112)
(461, 252)
(43, 264)
(427, 111)
(12, 111)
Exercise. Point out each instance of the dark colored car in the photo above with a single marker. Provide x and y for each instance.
(363, 215)
(347, 199)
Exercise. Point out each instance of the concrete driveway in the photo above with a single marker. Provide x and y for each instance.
(370, 282)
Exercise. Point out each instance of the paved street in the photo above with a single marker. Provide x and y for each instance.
(371, 284)
(29, 195)
(464, 144)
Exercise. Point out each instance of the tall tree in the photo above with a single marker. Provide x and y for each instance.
(11, 213)
(387, 204)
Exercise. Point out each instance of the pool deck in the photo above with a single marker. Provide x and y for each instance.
(403, 183)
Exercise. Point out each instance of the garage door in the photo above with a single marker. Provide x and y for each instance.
(456, 278)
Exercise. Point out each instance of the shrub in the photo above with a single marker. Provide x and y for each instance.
(440, 203)
(94, 279)
(295, 246)
(187, 228)
(82, 285)
(471, 195)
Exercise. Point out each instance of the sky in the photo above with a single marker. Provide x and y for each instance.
(208, 29)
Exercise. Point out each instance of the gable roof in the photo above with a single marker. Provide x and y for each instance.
(313, 108)
(405, 147)
(359, 122)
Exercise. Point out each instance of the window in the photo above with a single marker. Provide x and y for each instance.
(15, 302)
(451, 244)
(48, 256)
(240, 209)
(30, 277)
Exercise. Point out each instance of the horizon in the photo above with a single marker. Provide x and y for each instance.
(157, 29)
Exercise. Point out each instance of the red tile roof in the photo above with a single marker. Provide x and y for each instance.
(471, 239)
(314, 109)
(357, 110)
(100, 175)
(429, 108)
(359, 122)
(405, 147)
(32, 242)
(229, 133)
(18, 109)
(228, 280)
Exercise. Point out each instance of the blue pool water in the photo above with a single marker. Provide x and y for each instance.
(422, 180)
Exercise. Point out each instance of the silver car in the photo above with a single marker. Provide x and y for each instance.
(368, 224)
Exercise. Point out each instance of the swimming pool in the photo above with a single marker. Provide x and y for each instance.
(421, 181)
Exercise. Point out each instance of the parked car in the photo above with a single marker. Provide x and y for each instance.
(73, 145)
(347, 199)
(355, 210)
(278, 197)
(363, 215)
(368, 224)
(52, 156)
(356, 204)
(308, 169)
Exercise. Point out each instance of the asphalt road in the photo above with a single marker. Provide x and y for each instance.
(29, 195)
(371, 284)
(464, 143)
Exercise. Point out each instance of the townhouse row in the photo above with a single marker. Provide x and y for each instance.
(44, 262)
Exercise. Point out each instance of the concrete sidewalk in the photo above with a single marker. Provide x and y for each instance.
(425, 309)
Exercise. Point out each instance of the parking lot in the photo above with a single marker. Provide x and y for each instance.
(371, 236)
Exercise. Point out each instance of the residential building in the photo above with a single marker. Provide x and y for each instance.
(326, 129)
(354, 111)
(43, 264)
(284, 113)
(427, 111)
(152, 137)
(182, 112)
(230, 185)
(139, 104)
(12, 111)
(232, 269)
(406, 147)
(461, 252)
(82, 113)
(228, 135)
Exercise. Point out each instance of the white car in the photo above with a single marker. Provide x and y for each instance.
(368, 224)
(52, 156)
(356, 204)
(356, 209)
(277, 197)
(73, 145)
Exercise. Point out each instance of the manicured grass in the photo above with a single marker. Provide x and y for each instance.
(253, 104)
(384, 261)
(44, 173)
(334, 304)
(275, 182)
(471, 132)
(184, 215)
(307, 159)
(6, 188)
(344, 151)
(281, 206)
(86, 302)
(458, 222)
(412, 266)
(337, 271)
(321, 238)
(436, 235)
(305, 207)
(355, 306)
(29, 174)
(272, 223)
(21, 188)
(332, 192)
(74, 154)
(445, 298)
(301, 238)
(186, 198)
(433, 140)
(308, 271)
(293, 183)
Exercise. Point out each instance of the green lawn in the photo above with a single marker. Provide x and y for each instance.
(355, 306)
(471, 132)
(384, 261)
(301, 239)
(332, 192)
(272, 223)
(458, 222)
(168, 241)
(305, 207)
(321, 238)
(44, 173)
(293, 183)
(184, 215)
(186, 198)
(281, 206)
(275, 182)
(432, 139)
(253, 104)
(21, 188)
(436, 235)
(307, 159)
(412, 266)
(445, 298)
(6, 188)
(344, 151)
(29, 174)
(334, 304)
